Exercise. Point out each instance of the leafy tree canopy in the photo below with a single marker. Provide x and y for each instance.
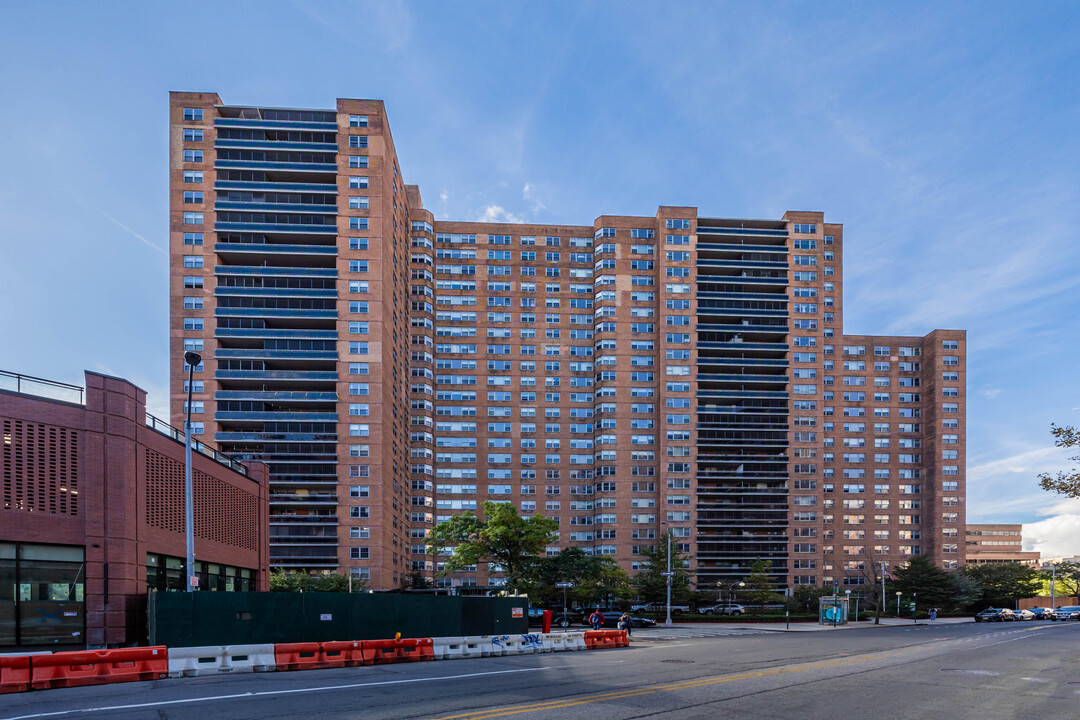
(933, 586)
(296, 581)
(596, 578)
(1067, 575)
(1064, 483)
(759, 589)
(651, 584)
(1005, 583)
(502, 537)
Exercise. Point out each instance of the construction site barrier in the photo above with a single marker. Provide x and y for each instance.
(509, 645)
(346, 653)
(603, 639)
(448, 648)
(575, 640)
(213, 660)
(298, 656)
(477, 646)
(535, 641)
(377, 652)
(96, 667)
(14, 673)
(552, 642)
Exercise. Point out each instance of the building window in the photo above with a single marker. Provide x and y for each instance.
(193, 238)
(358, 161)
(193, 176)
(193, 261)
(358, 141)
(358, 121)
(193, 135)
(193, 114)
(193, 218)
(193, 156)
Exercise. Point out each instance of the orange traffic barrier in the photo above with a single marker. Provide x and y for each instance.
(14, 674)
(603, 639)
(298, 656)
(377, 652)
(342, 653)
(96, 667)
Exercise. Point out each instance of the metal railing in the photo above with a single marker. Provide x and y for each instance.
(165, 428)
(30, 385)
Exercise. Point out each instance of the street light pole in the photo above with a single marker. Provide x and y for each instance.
(667, 623)
(192, 359)
(898, 594)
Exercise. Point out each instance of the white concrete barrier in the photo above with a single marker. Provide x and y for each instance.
(534, 642)
(195, 661)
(575, 641)
(553, 642)
(478, 646)
(248, 658)
(449, 648)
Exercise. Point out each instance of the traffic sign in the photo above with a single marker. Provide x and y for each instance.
(668, 574)
(564, 585)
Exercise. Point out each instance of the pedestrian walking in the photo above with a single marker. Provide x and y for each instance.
(596, 620)
(933, 614)
(625, 623)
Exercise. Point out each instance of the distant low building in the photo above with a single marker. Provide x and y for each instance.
(92, 514)
(997, 544)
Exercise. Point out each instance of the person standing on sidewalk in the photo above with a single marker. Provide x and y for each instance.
(933, 614)
(625, 623)
(596, 620)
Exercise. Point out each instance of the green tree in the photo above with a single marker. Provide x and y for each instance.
(296, 581)
(416, 581)
(804, 599)
(1005, 583)
(967, 591)
(759, 589)
(651, 584)
(1067, 575)
(933, 586)
(502, 537)
(596, 578)
(1064, 483)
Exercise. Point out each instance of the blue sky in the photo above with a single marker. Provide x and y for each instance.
(944, 136)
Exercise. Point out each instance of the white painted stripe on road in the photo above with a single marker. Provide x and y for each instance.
(267, 693)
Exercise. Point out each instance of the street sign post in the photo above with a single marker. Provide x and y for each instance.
(564, 586)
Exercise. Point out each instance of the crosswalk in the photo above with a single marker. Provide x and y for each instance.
(685, 633)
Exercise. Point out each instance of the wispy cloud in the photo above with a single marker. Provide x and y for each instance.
(496, 213)
(991, 393)
(116, 222)
(529, 193)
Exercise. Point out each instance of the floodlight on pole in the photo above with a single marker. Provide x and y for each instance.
(192, 359)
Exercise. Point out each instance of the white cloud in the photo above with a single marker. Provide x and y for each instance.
(990, 394)
(496, 213)
(529, 193)
(444, 196)
(1058, 536)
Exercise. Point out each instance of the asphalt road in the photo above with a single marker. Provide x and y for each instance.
(951, 672)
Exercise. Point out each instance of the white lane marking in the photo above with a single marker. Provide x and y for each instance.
(1036, 680)
(267, 693)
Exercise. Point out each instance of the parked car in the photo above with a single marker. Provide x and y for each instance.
(659, 607)
(722, 609)
(611, 619)
(558, 619)
(1042, 613)
(995, 615)
(1068, 612)
(1024, 614)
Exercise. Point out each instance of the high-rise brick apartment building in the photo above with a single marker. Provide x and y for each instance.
(627, 377)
